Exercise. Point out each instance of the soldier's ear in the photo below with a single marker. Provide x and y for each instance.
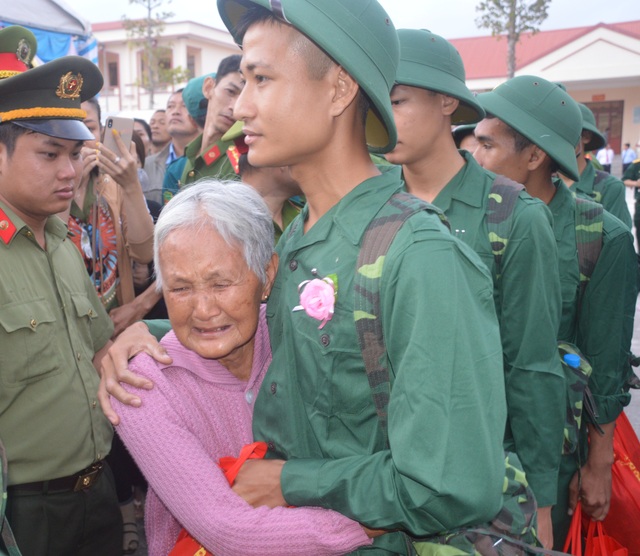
(449, 104)
(537, 157)
(345, 90)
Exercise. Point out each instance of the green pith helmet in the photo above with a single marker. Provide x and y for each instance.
(193, 97)
(431, 62)
(356, 34)
(461, 131)
(47, 98)
(18, 47)
(589, 123)
(542, 112)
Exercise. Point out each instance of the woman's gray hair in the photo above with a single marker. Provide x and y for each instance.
(235, 210)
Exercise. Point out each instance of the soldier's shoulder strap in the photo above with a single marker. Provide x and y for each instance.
(376, 242)
(502, 202)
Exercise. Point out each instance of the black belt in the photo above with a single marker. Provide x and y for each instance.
(78, 481)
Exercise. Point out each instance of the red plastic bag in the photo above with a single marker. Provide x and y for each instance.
(573, 543)
(623, 520)
(600, 544)
(186, 545)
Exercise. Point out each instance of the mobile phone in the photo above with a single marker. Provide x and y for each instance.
(124, 127)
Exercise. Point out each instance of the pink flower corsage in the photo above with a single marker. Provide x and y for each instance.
(317, 298)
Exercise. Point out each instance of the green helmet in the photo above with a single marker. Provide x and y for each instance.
(431, 62)
(356, 34)
(542, 112)
(589, 123)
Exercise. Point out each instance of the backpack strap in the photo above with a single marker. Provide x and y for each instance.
(589, 229)
(598, 186)
(377, 239)
(502, 202)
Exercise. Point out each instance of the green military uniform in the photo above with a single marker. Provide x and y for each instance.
(51, 324)
(610, 193)
(218, 161)
(633, 173)
(527, 298)
(606, 312)
(315, 407)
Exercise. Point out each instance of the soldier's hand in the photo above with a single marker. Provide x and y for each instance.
(114, 368)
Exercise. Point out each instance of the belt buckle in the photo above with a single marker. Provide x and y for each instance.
(86, 479)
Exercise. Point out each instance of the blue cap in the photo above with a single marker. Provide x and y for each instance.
(572, 360)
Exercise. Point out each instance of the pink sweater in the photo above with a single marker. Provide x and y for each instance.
(196, 413)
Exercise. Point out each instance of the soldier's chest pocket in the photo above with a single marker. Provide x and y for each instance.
(28, 347)
(341, 387)
(86, 314)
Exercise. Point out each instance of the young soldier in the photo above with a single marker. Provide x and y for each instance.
(599, 186)
(53, 328)
(532, 132)
(631, 178)
(429, 96)
(318, 77)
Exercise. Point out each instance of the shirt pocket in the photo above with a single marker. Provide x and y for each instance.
(28, 350)
(86, 315)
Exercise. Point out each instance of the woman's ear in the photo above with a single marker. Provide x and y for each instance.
(345, 90)
(271, 270)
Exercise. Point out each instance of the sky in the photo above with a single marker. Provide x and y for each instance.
(449, 18)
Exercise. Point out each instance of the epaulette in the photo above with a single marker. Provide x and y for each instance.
(234, 157)
(7, 228)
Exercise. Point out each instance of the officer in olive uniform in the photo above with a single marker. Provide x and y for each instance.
(209, 100)
(53, 328)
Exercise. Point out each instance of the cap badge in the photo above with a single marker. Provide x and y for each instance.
(70, 85)
(24, 51)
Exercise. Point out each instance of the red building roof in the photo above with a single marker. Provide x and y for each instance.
(486, 57)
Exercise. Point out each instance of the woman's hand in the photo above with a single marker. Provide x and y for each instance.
(121, 166)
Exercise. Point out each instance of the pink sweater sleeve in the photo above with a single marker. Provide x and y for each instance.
(162, 436)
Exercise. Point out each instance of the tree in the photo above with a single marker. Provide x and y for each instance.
(512, 17)
(156, 60)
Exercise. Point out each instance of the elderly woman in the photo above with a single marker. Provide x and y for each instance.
(215, 265)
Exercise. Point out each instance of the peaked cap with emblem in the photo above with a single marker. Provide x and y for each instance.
(357, 34)
(18, 47)
(47, 98)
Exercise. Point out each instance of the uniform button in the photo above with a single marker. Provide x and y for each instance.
(271, 446)
(91, 313)
(293, 265)
(248, 395)
(99, 456)
(94, 404)
(33, 323)
(78, 356)
(4, 224)
(192, 173)
(274, 387)
(325, 340)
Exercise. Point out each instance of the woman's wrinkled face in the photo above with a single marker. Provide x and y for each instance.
(212, 296)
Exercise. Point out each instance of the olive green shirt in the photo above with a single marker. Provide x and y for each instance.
(528, 305)
(447, 411)
(215, 162)
(51, 325)
(604, 325)
(610, 193)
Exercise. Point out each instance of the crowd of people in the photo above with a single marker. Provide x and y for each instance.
(327, 301)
